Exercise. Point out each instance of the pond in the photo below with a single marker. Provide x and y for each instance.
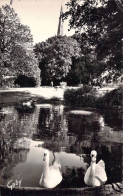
(69, 133)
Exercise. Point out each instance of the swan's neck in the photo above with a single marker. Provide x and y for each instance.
(46, 166)
(93, 166)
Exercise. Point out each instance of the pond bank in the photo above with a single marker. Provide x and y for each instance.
(40, 93)
(106, 190)
(44, 92)
(89, 97)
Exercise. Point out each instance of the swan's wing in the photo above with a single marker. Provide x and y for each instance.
(53, 178)
(41, 179)
(87, 176)
(55, 170)
(101, 164)
(100, 171)
(56, 165)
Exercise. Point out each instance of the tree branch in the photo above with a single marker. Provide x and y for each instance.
(119, 5)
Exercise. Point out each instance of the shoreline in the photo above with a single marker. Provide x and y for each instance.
(52, 95)
(48, 92)
(108, 189)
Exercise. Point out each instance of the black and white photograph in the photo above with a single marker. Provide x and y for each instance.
(61, 81)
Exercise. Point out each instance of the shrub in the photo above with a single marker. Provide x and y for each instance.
(79, 97)
(86, 98)
(111, 99)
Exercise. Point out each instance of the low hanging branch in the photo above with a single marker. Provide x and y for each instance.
(119, 4)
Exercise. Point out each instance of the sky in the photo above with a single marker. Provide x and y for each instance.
(42, 16)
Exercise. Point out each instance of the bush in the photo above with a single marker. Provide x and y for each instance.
(79, 97)
(86, 98)
(111, 99)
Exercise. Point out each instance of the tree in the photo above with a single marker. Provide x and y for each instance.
(16, 47)
(83, 71)
(100, 25)
(86, 67)
(55, 58)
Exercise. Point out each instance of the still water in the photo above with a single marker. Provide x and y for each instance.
(70, 133)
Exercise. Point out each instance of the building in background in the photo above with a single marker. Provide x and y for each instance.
(60, 25)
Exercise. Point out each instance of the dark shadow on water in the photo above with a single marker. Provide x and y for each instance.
(73, 178)
(113, 118)
(24, 110)
(10, 98)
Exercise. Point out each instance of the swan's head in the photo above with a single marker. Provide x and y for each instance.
(46, 155)
(93, 155)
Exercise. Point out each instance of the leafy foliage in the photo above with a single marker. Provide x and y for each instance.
(55, 57)
(100, 26)
(111, 99)
(86, 97)
(79, 97)
(83, 70)
(16, 49)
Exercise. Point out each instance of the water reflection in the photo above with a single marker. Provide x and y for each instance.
(113, 118)
(25, 133)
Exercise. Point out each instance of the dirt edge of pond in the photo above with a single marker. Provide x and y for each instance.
(109, 189)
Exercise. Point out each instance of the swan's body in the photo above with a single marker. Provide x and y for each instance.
(95, 174)
(28, 103)
(51, 175)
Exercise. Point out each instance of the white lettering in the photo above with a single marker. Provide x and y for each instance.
(10, 187)
(12, 184)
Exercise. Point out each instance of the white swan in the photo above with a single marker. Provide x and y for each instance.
(27, 103)
(95, 174)
(51, 175)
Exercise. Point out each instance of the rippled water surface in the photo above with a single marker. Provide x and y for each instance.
(71, 133)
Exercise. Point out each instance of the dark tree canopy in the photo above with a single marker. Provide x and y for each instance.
(100, 25)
